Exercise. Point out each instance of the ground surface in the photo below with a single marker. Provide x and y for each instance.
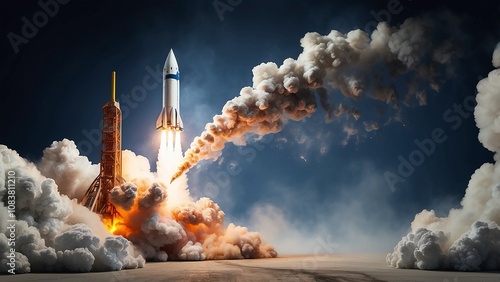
(349, 267)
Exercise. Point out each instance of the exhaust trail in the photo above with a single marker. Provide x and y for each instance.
(356, 63)
(178, 147)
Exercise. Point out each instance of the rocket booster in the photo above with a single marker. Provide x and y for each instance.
(170, 117)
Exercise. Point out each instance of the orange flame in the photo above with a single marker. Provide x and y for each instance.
(112, 224)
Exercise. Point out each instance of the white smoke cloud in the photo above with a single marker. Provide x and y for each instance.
(496, 56)
(486, 111)
(49, 237)
(355, 63)
(468, 239)
(478, 249)
(191, 251)
(422, 249)
(73, 173)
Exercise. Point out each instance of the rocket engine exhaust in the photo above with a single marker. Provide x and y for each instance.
(354, 63)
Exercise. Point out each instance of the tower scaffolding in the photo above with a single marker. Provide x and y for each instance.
(110, 175)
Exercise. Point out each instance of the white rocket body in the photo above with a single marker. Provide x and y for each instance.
(170, 117)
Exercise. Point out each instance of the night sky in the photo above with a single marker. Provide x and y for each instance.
(304, 178)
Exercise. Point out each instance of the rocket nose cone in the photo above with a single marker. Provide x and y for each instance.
(171, 61)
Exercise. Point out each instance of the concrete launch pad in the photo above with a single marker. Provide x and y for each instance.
(341, 267)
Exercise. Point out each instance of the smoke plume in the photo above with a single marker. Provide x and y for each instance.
(468, 239)
(356, 63)
(53, 233)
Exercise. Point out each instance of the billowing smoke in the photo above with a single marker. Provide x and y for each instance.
(167, 224)
(48, 230)
(356, 63)
(468, 239)
(54, 233)
(72, 173)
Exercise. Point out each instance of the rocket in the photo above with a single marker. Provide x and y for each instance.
(170, 117)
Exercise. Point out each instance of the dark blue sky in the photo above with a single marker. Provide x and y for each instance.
(55, 85)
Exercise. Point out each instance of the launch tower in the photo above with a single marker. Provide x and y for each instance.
(97, 196)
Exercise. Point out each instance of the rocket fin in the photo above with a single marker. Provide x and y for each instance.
(179, 122)
(161, 122)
